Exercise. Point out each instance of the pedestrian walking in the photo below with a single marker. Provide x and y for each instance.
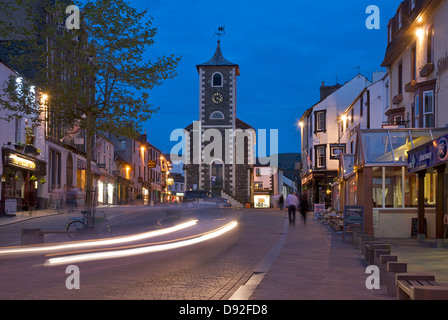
(303, 208)
(281, 202)
(292, 203)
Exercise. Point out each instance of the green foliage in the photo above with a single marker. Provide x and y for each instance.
(96, 77)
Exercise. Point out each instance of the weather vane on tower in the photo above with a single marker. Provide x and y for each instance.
(220, 32)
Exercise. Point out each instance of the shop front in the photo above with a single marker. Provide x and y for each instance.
(262, 200)
(429, 160)
(381, 182)
(20, 180)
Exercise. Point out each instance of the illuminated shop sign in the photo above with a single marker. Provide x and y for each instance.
(428, 155)
(21, 162)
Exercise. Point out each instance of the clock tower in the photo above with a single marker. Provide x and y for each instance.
(217, 91)
(227, 170)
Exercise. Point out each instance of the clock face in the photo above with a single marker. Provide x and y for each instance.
(217, 98)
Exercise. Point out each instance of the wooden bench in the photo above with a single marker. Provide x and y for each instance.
(420, 287)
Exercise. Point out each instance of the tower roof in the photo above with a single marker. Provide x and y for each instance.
(218, 60)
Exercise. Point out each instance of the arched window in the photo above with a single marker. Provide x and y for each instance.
(217, 115)
(217, 79)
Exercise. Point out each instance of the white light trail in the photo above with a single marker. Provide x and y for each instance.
(103, 242)
(137, 251)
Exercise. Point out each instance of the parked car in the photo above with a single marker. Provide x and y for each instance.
(205, 198)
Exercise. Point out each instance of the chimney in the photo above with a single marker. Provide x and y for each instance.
(325, 91)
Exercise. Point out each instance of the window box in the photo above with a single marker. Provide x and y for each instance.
(410, 86)
(427, 69)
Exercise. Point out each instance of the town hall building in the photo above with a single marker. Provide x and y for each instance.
(219, 146)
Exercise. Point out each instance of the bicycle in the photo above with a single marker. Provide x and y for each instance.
(75, 225)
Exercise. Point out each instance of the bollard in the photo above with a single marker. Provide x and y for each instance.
(357, 232)
(370, 251)
(393, 268)
(384, 259)
(378, 253)
(369, 243)
(31, 236)
(362, 238)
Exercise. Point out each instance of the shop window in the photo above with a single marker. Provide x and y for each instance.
(377, 186)
(351, 186)
(262, 201)
(410, 191)
(430, 189)
(428, 109)
(393, 192)
(394, 187)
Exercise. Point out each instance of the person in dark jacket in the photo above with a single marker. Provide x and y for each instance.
(303, 208)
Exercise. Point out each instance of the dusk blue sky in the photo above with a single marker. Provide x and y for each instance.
(284, 48)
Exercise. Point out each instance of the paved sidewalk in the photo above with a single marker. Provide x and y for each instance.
(315, 264)
(26, 215)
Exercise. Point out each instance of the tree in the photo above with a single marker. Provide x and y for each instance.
(95, 77)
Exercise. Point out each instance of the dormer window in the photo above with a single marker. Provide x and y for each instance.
(217, 79)
(400, 20)
(390, 34)
(412, 5)
(217, 115)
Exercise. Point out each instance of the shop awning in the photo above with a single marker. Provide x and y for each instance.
(390, 147)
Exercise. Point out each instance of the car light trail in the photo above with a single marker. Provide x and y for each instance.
(103, 242)
(137, 251)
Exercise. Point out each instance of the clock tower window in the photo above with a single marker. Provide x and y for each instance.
(217, 79)
(217, 115)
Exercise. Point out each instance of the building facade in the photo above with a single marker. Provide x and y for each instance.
(417, 61)
(320, 138)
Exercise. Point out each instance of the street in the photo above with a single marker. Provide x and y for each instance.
(213, 269)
